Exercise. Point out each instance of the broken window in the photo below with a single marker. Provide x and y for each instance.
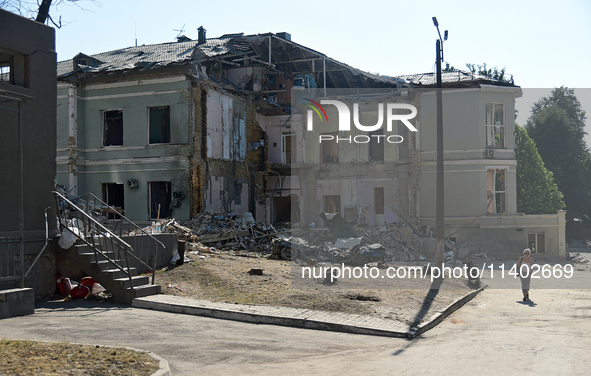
(287, 148)
(536, 242)
(376, 146)
(329, 149)
(159, 125)
(495, 183)
(332, 204)
(14, 68)
(378, 196)
(160, 198)
(113, 195)
(5, 68)
(113, 128)
(495, 126)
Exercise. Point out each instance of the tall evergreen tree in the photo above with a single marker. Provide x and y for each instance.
(557, 128)
(537, 193)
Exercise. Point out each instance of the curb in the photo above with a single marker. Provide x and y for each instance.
(163, 363)
(185, 307)
(254, 318)
(416, 331)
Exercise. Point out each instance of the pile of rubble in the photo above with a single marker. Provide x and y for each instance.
(213, 232)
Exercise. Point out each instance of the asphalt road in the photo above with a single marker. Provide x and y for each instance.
(493, 334)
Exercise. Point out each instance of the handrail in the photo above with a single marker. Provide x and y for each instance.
(42, 249)
(112, 235)
(127, 219)
(130, 222)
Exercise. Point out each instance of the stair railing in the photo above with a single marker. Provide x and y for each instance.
(96, 204)
(74, 219)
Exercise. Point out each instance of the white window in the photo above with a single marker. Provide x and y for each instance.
(495, 125)
(495, 195)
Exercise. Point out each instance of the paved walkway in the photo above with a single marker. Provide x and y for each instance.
(493, 334)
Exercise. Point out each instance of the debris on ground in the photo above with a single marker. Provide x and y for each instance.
(578, 258)
(171, 286)
(213, 233)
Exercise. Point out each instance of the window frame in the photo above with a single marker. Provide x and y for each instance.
(494, 131)
(322, 147)
(104, 128)
(492, 201)
(150, 125)
(293, 155)
(150, 189)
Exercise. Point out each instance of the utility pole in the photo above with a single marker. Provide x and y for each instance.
(439, 210)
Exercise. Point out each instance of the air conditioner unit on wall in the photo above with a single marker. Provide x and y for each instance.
(490, 153)
(131, 183)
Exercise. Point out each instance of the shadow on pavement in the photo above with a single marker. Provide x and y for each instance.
(527, 303)
(89, 307)
(433, 291)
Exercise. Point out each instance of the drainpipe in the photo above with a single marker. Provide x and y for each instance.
(22, 198)
(72, 140)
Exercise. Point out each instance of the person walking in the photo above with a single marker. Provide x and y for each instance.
(524, 266)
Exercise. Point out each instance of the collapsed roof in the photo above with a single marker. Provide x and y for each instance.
(275, 51)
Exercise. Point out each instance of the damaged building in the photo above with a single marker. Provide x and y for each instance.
(177, 129)
(346, 170)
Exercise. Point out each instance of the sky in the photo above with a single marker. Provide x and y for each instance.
(543, 44)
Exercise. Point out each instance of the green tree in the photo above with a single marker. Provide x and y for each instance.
(557, 127)
(537, 193)
(494, 73)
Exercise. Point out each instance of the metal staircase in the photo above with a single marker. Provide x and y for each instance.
(101, 253)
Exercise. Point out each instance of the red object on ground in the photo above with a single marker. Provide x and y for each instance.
(88, 282)
(79, 292)
(60, 285)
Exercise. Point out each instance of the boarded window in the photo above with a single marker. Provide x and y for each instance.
(329, 149)
(495, 183)
(159, 125)
(378, 195)
(160, 199)
(113, 128)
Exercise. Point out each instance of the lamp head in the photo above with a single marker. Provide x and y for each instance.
(445, 35)
(435, 22)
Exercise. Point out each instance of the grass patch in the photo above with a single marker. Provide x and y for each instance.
(62, 358)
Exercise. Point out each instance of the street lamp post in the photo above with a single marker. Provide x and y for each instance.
(439, 210)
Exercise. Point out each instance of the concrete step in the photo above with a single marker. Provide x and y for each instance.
(137, 280)
(146, 290)
(111, 277)
(117, 273)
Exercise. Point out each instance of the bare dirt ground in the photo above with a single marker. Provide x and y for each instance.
(224, 277)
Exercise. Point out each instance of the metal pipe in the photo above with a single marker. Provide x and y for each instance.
(324, 74)
(22, 198)
(269, 50)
